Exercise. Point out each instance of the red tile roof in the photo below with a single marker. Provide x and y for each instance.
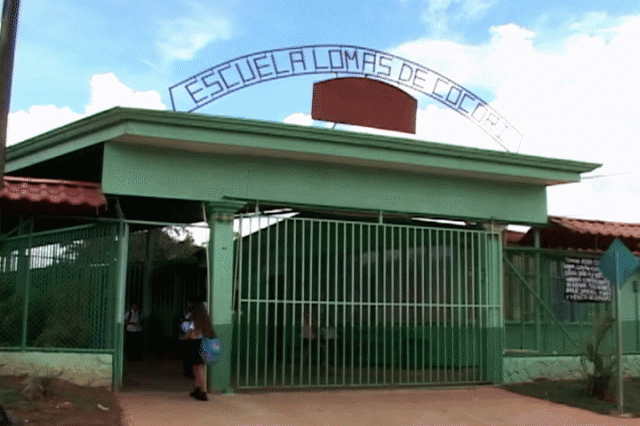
(22, 195)
(585, 235)
(598, 227)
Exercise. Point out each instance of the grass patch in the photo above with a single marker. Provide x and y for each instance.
(574, 394)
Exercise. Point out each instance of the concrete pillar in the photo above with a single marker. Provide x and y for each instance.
(495, 323)
(121, 288)
(220, 288)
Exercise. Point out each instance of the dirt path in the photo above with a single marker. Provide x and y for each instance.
(471, 406)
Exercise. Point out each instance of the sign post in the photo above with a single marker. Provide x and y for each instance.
(618, 264)
(7, 49)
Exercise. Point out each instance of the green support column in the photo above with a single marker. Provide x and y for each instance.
(494, 326)
(538, 283)
(121, 286)
(220, 288)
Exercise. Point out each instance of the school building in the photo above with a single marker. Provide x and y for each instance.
(393, 249)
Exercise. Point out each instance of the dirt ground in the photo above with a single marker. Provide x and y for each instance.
(65, 405)
(415, 407)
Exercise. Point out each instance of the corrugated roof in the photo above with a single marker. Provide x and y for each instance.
(23, 195)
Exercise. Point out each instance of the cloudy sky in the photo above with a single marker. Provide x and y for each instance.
(563, 72)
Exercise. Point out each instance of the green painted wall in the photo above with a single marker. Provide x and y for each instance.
(148, 171)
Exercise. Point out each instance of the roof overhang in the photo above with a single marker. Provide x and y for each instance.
(210, 134)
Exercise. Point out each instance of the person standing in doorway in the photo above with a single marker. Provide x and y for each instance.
(133, 342)
(200, 326)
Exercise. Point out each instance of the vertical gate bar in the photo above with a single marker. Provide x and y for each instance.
(384, 304)
(445, 314)
(344, 303)
(319, 303)
(439, 252)
(327, 301)
(459, 307)
(307, 291)
(476, 283)
(500, 296)
(486, 297)
(258, 298)
(250, 302)
(407, 304)
(360, 323)
(238, 299)
(448, 288)
(316, 295)
(267, 293)
(277, 303)
(294, 304)
(466, 302)
(476, 300)
(415, 304)
(319, 300)
(431, 274)
(403, 281)
(368, 302)
(481, 304)
(353, 253)
(451, 305)
(286, 302)
(393, 303)
(423, 289)
(469, 295)
(312, 303)
(303, 268)
(336, 296)
(472, 286)
(376, 299)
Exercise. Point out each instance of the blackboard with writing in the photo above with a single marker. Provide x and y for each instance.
(584, 281)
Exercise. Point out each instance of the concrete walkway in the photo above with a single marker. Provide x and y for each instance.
(468, 406)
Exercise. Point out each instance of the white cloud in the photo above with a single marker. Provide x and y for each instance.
(578, 102)
(439, 13)
(39, 119)
(299, 118)
(106, 92)
(182, 38)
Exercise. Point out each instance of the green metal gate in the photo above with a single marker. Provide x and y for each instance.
(335, 303)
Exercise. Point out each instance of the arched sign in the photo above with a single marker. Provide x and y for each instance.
(244, 71)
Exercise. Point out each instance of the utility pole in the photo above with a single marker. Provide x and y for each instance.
(7, 50)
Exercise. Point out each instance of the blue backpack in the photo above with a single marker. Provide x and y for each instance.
(210, 350)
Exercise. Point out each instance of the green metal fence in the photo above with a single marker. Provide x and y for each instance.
(334, 303)
(538, 319)
(57, 289)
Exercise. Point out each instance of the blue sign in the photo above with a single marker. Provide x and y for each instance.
(618, 263)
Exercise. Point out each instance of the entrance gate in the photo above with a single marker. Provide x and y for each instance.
(325, 303)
